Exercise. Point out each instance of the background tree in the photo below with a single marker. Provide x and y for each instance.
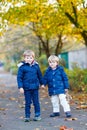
(49, 22)
(76, 12)
(45, 20)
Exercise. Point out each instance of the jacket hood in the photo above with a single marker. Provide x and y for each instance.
(23, 62)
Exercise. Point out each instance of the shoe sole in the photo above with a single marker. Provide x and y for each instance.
(26, 120)
(37, 119)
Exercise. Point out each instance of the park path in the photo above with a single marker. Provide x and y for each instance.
(12, 110)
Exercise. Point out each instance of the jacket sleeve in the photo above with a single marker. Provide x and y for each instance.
(64, 78)
(20, 77)
(45, 79)
(39, 75)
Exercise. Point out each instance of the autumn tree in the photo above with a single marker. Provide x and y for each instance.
(44, 19)
(48, 21)
(76, 12)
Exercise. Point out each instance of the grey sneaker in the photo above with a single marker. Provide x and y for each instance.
(26, 119)
(37, 118)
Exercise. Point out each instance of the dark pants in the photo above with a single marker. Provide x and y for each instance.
(32, 96)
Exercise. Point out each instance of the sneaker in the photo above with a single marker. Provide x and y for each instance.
(26, 119)
(68, 114)
(38, 118)
(55, 114)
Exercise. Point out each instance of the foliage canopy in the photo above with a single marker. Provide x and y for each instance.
(50, 20)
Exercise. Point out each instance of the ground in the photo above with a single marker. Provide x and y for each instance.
(12, 110)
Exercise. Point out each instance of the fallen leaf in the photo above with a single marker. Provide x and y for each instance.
(65, 128)
(81, 107)
(21, 117)
(2, 109)
(21, 106)
(12, 98)
(46, 102)
(37, 129)
(70, 119)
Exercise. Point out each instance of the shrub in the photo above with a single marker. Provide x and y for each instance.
(77, 79)
(11, 67)
(43, 63)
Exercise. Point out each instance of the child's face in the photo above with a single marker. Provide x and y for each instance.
(29, 59)
(53, 64)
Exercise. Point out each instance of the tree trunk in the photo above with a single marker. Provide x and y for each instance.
(84, 35)
(45, 44)
(74, 20)
(40, 50)
(59, 45)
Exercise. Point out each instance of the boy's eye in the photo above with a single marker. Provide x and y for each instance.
(27, 56)
(52, 62)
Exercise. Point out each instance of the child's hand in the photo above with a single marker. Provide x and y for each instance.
(66, 90)
(21, 90)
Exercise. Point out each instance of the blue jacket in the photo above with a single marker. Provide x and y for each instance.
(56, 80)
(29, 76)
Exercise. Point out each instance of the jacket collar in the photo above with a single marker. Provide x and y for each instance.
(23, 62)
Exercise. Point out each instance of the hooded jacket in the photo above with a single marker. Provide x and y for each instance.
(56, 80)
(29, 76)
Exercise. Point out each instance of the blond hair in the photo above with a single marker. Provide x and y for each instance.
(29, 53)
(53, 58)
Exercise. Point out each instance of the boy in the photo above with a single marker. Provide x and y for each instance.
(29, 78)
(58, 85)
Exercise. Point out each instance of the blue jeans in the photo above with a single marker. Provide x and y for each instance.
(32, 96)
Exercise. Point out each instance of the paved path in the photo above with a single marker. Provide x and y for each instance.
(12, 110)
